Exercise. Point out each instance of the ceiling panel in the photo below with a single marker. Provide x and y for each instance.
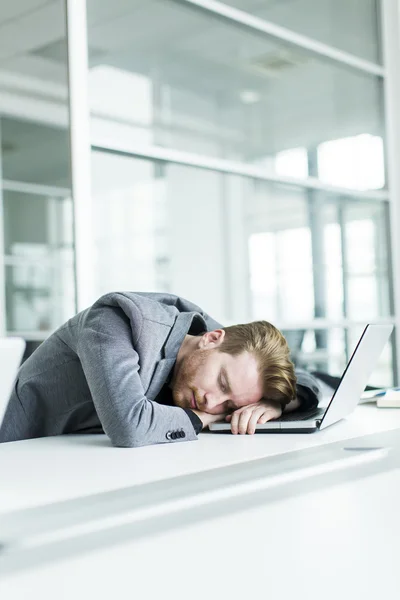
(17, 8)
(154, 23)
(100, 11)
(34, 29)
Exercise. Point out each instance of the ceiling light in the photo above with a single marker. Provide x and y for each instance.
(249, 96)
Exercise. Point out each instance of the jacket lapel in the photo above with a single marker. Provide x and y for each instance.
(160, 376)
(171, 349)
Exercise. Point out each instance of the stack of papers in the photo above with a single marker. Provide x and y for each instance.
(384, 398)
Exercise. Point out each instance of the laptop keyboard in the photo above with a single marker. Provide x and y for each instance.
(302, 416)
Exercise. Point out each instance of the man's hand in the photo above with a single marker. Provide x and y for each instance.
(244, 420)
(206, 418)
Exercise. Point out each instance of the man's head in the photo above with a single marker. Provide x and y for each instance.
(228, 368)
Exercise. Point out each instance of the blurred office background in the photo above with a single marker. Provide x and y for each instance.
(241, 156)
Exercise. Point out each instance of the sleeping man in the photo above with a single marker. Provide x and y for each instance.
(149, 368)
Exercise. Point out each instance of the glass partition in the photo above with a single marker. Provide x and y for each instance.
(171, 76)
(333, 22)
(36, 223)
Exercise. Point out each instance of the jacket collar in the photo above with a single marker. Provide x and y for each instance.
(184, 322)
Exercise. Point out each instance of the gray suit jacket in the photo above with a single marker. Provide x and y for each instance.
(104, 368)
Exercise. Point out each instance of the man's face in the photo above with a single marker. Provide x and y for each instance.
(215, 382)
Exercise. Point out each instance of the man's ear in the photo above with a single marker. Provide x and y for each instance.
(212, 339)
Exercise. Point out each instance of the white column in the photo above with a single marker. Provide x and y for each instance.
(80, 151)
(196, 244)
(238, 191)
(2, 265)
(391, 56)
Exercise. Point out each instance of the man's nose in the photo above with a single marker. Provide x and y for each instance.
(212, 400)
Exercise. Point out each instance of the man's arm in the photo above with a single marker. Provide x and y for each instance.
(204, 419)
(293, 405)
(309, 391)
(111, 367)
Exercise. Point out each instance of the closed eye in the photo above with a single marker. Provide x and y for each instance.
(222, 386)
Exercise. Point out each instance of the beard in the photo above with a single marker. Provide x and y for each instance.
(183, 381)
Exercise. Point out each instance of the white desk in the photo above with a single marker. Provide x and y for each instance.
(46, 470)
(280, 548)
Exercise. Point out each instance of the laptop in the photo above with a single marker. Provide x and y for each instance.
(11, 352)
(345, 397)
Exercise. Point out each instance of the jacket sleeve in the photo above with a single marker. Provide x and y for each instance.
(111, 366)
(309, 391)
